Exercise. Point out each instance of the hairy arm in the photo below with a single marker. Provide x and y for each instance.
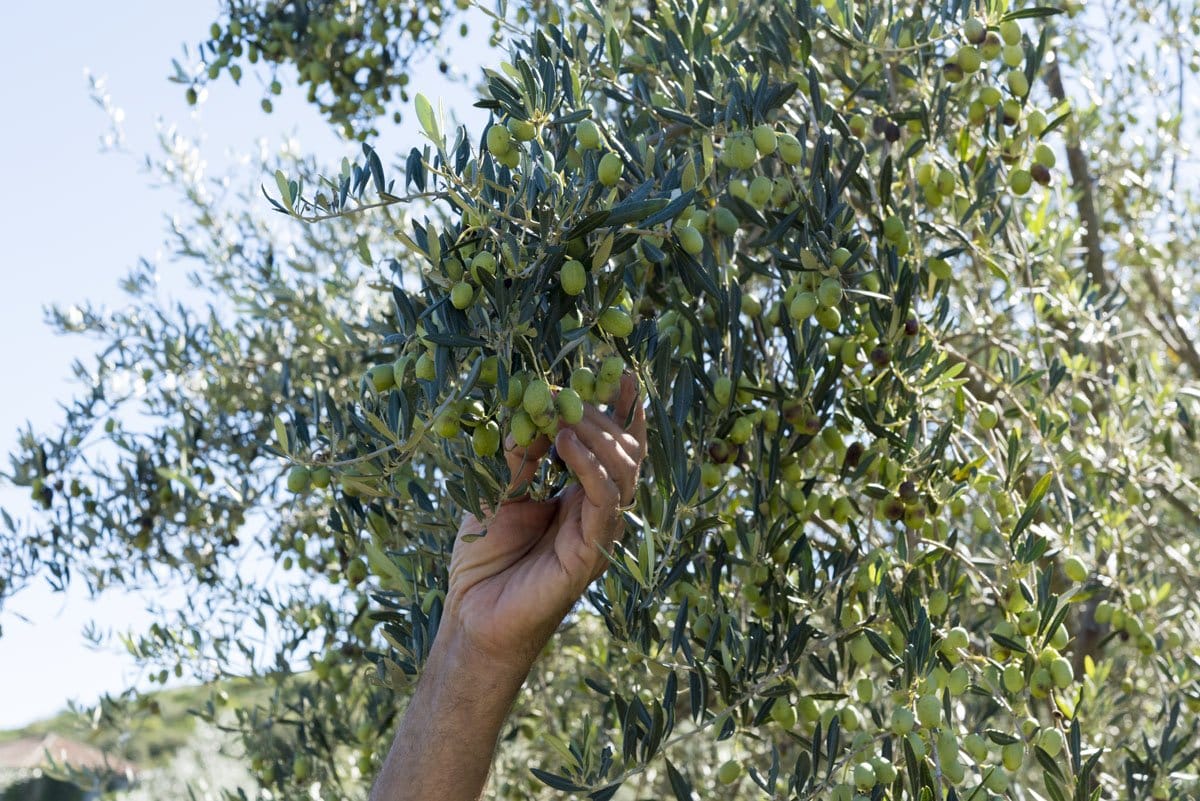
(507, 593)
(444, 746)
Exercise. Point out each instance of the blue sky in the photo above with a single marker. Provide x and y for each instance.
(74, 220)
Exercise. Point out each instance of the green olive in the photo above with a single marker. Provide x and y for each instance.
(499, 140)
(462, 295)
(570, 406)
(790, 150)
(608, 172)
(588, 135)
(382, 377)
(485, 440)
(690, 240)
(616, 322)
(298, 479)
(583, 381)
(1020, 181)
(765, 139)
(537, 398)
(572, 277)
(522, 130)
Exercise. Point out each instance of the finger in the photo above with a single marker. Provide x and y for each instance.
(631, 413)
(626, 398)
(523, 462)
(598, 487)
(600, 520)
(619, 465)
(598, 419)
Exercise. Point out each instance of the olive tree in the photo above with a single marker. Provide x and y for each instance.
(910, 294)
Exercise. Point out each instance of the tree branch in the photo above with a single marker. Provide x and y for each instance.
(1081, 182)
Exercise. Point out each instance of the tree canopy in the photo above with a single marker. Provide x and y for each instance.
(911, 291)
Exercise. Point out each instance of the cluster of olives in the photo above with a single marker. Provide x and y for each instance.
(984, 45)
(531, 406)
(353, 64)
(917, 714)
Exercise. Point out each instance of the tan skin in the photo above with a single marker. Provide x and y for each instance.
(508, 592)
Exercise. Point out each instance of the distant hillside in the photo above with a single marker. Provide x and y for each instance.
(148, 734)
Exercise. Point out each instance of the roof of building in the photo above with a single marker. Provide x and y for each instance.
(28, 753)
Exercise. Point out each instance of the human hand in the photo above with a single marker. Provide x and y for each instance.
(510, 589)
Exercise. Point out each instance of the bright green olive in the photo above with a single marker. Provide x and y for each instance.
(485, 440)
(1061, 672)
(765, 139)
(616, 322)
(447, 425)
(1044, 155)
(893, 228)
(864, 775)
(1012, 755)
(537, 398)
(976, 746)
(829, 293)
(298, 478)
(499, 140)
(1052, 741)
(609, 170)
(425, 369)
(783, 713)
(968, 58)
(729, 772)
(929, 711)
(522, 130)
(570, 406)
(726, 221)
(1075, 568)
(611, 369)
(741, 431)
(588, 135)
(483, 262)
(829, 318)
(790, 151)
(321, 477)
(382, 377)
(903, 720)
(1018, 84)
(990, 96)
(1020, 181)
(1041, 683)
(516, 391)
(462, 295)
(572, 277)
(690, 240)
(583, 381)
(522, 428)
(760, 192)
(740, 151)
(803, 306)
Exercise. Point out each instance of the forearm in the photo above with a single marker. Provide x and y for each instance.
(444, 746)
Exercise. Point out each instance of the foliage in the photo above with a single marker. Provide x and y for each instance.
(914, 315)
(355, 58)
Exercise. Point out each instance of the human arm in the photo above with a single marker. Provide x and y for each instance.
(508, 592)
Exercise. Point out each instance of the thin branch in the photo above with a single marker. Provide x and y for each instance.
(1081, 182)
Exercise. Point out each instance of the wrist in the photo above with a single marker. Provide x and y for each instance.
(457, 656)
